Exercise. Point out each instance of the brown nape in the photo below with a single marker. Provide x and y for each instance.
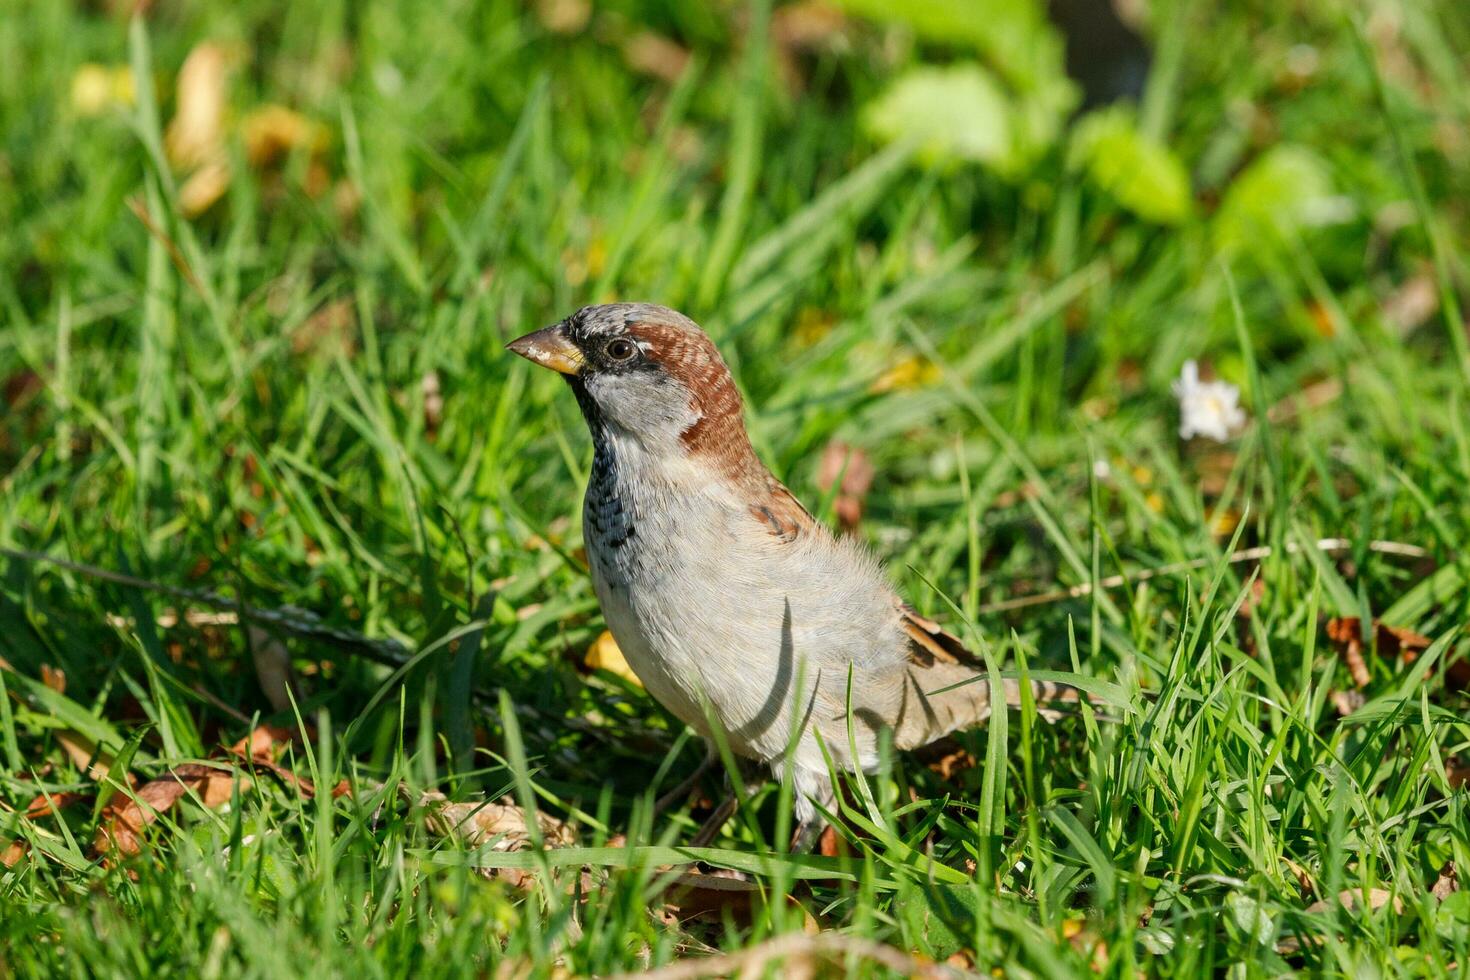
(719, 436)
(691, 358)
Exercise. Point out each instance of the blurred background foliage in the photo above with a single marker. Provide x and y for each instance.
(260, 258)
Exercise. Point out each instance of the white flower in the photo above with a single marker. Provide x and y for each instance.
(1206, 408)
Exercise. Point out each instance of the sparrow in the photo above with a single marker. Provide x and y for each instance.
(734, 606)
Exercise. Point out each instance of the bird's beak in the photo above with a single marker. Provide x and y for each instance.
(550, 348)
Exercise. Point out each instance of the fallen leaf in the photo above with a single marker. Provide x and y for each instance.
(563, 16)
(265, 743)
(49, 804)
(53, 678)
(1346, 702)
(1412, 303)
(808, 24)
(1349, 899)
(12, 853)
(195, 135)
(1457, 675)
(433, 403)
(605, 654)
(652, 54)
(20, 387)
(83, 754)
(121, 829)
(954, 760)
(327, 331)
(1346, 634)
(1447, 883)
(695, 894)
(204, 186)
(856, 472)
(273, 670)
(502, 822)
(273, 132)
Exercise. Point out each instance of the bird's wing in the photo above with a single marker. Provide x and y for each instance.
(781, 513)
(930, 644)
(949, 686)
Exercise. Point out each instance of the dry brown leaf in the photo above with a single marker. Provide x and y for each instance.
(653, 54)
(1447, 883)
(1412, 303)
(1346, 634)
(327, 331)
(1349, 899)
(563, 16)
(83, 753)
(502, 822)
(48, 804)
(196, 133)
(12, 853)
(808, 24)
(123, 820)
(1457, 675)
(433, 393)
(501, 825)
(273, 670)
(856, 471)
(265, 743)
(273, 132)
(54, 678)
(1302, 875)
(204, 186)
(799, 28)
(1346, 702)
(694, 894)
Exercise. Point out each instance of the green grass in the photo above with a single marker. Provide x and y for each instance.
(237, 400)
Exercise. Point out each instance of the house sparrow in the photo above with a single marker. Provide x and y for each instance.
(731, 602)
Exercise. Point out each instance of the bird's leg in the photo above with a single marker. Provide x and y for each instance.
(682, 790)
(806, 835)
(716, 821)
(814, 793)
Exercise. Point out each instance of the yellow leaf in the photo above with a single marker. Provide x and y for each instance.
(204, 186)
(97, 88)
(604, 654)
(196, 133)
(272, 132)
(910, 372)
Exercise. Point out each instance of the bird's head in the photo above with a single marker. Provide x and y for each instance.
(648, 371)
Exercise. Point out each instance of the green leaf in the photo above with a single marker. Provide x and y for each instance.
(117, 773)
(1014, 35)
(953, 114)
(942, 915)
(1140, 174)
(1286, 190)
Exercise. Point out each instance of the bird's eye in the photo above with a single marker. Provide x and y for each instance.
(620, 349)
